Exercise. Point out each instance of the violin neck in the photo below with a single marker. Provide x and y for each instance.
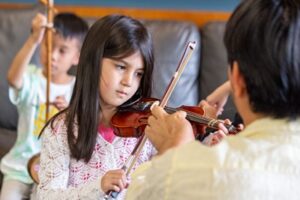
(191, 116)
(194, 117)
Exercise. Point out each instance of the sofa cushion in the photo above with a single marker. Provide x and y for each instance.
(15, 28)
(7, 139)
(170, 39)
(214, 63)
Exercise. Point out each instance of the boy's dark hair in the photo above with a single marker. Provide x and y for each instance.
(113, 36)
(263, 37)
(70, 25)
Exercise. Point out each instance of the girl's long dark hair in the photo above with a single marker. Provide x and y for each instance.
(113, 36)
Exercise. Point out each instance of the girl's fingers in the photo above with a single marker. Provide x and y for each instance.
(115, 185)
(114, 180)
(115, 188)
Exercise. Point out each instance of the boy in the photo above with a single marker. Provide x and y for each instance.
(28, 92)
(262, 162)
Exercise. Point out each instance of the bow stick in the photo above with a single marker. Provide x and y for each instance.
(49, 35)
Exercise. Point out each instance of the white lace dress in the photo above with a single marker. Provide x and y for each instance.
(63, 177)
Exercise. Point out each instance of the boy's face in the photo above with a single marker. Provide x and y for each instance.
(65, 53)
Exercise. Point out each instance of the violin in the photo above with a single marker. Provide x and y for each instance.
(132, 120)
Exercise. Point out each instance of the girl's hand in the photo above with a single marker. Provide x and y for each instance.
(114, 180)
(38, 25)
(216, 137)
(60, 102)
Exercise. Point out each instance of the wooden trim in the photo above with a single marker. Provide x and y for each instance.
(198, 17)
(13, 6)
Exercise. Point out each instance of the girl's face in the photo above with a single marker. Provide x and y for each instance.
(120, 79)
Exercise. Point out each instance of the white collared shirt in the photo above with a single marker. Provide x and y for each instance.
(261, 162)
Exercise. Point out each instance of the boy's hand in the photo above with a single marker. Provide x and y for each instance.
(38, 25)
(218, 97)
(60, 102)
(114, 180)
(209, 110)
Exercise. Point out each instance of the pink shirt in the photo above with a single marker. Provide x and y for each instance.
(107, 133)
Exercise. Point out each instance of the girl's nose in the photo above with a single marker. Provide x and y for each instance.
(127, 79)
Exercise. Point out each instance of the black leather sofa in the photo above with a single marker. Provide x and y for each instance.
(206, 70)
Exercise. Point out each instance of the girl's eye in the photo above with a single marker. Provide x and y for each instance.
(120, 66)
(139, 74)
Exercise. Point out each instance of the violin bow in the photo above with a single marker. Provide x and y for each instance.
(49, 35)
(127, 167)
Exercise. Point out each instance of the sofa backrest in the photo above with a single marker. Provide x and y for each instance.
(204, 72)
(170, 39)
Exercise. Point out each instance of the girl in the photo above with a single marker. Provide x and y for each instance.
(81, 158)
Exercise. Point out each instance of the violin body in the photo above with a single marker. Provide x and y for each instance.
(131, 121)
(122, 120)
